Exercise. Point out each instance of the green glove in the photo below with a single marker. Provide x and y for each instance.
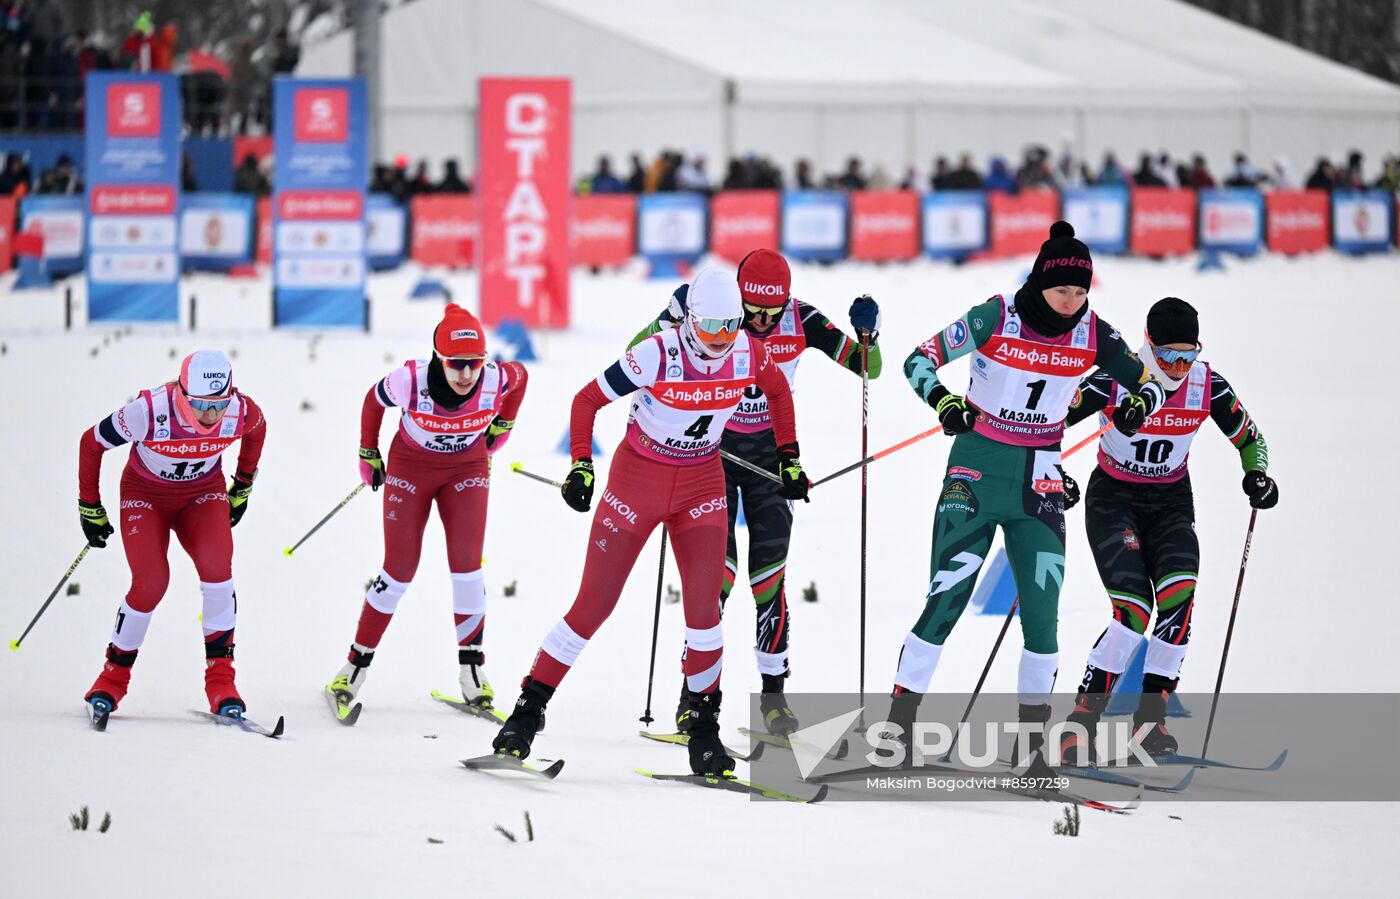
(578, 486)
(239, 489)
(96, 527)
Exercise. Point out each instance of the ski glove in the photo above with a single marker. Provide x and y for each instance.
(1071, 491)
(678, 305)
(794, 483)
(1262, 491)
(578, 486)
(1130, 415)
(498, 433)
(239, 489)
(371, 467)
(865, 316)
(96, 527)
(954, 414)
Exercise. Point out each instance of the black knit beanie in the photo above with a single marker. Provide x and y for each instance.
(1063, 260)
(1172, 320)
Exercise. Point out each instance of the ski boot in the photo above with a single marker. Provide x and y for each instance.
(351, 678)
(777, 717)
(476, 689)
(1033, 764)
(1088, 708)
(525, 720)
(110, 687)
(1152, 709)
(707, 753)
(904, 707)
(218, 683)
(684, 715)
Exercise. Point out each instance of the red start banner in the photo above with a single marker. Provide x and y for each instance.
(884, 224)
(444, 230)
(524, 200)
(1021, 223)
(743, 221)
(1163, 221)
(7, 231)
(605, 229)
(264, 230)
(1298, 220)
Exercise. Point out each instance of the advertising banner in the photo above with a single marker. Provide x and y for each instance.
(884, 225)
(1163, 221)
(444, 230)
(216, 230)
(60, 220)
(1021, 223)
(132, 146)
(318, 201)
(1362, 221)
(814, 225)
(742, 221)
(1099, 216)
(386, 223)
(670, 231)
(955, 223)
(524, 200)
(1297, 220)
(605, 230)
(1232, 220)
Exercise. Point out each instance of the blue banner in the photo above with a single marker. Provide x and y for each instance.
(386, 225)
(60, 219)
(955, 223)
(1099, 216)
(1231, 220)
(216, 231)
(672, 230)
(1363, 221)
(318, 204)
(133, 194)
(814, 226)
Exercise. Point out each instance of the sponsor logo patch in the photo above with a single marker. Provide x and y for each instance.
(967, 474)
(1130, 540)
(956, 334)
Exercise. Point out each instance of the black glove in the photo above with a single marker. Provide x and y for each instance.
(371, 467)
(954, 414)
(794, 483)
(679, 304)
(239, 489)
(1130, 414)
(865, 316)
(1262, 491)
(1071, 491)
(578, 486)
(96, 527)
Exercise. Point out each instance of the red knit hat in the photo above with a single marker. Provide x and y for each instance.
(764, 278)
(459, 333)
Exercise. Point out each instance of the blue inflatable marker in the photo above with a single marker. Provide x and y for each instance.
(1210, 262)
(32, 273)
(996, 590)
(1128, 690)
(563, 448)
(514, 334)
(429, 288)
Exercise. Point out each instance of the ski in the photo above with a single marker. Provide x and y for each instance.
(98, 716)
(735, 785)
(1197, 762)
(501, 762)
(684, 740)
(244, 724)
(840, 751)
(1044, 794)
(344, 713)
(1099, 775)
(486, 712)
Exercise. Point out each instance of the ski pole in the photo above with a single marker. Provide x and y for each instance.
(744, 463)
(14, 644)
(655, 627)
(880, 455)
(864, 488)
(341, 505)
(1086, 441)
(520, 469)
(1229, 631)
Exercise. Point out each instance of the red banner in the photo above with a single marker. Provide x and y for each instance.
(1021, 223)
(444, 230)
(742, 221)
(523, 134)
(605, 229)
(885, 224)
(264, 230)
(1163, 221)
(1298, 220)
(7, 231)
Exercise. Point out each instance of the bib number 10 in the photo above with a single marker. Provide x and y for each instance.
(1153, 451)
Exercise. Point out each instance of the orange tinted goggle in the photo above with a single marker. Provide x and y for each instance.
(717, 328)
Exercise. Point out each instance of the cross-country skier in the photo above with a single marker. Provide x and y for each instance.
(457, 409)
(786, 326)
(685, 384)
(1141, 520)
(173, 481)
(1029, 352)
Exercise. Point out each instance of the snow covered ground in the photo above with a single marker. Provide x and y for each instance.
(203, 810)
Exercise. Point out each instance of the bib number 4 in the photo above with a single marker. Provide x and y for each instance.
(700, 428)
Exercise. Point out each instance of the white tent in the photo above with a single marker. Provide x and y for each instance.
(892, 81)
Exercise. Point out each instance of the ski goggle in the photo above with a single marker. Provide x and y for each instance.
(200, 405)
(715, 330)
(459, 363)
(1174, 361)
(769, 311)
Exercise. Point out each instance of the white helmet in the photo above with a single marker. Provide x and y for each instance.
(714, 315)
